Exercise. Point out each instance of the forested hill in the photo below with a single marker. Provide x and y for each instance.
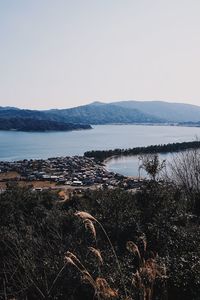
(86, 114)
(29, 124)
(121, 112)
(101, 113)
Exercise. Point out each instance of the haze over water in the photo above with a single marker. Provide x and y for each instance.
(23, 145)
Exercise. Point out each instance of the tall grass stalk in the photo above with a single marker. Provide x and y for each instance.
(85, 216)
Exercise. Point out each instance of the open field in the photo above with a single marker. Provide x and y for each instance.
(9, 175)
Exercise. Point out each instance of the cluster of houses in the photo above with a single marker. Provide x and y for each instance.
(72, 171)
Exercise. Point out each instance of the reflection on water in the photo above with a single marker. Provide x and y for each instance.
(129, 165)
(125, 165)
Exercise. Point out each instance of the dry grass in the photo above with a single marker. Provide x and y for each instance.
(104, 289)
(142, 281)
(97, 254)
(85, 215)
(148, 271)
(39, 184)
(9, 175)
(132, 247)
(101, 287)
(90, 226)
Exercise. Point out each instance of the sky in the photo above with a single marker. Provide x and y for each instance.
(61, 53)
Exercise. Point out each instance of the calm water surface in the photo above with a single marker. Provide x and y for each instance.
(21, 145)
(129, 165)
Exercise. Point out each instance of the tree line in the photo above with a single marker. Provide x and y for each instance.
(101, 155)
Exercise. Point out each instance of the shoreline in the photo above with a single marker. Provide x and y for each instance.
(102, 155)
(131, 177)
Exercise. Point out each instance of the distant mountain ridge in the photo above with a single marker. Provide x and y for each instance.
(101, 113)
(172, 112)
(97, 113)
(131, 112)
(121, 112)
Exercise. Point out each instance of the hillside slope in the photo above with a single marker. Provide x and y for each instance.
(100, 113)
(122, 112)
(173, 112)
(95, 113)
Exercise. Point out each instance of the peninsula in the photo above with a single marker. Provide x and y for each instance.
(101, 155)
(30, 124)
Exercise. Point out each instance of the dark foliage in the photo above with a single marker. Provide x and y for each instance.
(36, 231)
(101, 155)
(28, 124)
(86, 114)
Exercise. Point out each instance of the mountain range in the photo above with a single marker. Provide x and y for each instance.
(171, 112)
(121, 112)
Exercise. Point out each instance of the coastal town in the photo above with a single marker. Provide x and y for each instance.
(77, 172)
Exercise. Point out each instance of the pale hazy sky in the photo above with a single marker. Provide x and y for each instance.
(61, 53)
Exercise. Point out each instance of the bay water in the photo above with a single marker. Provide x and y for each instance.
(35, 145)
